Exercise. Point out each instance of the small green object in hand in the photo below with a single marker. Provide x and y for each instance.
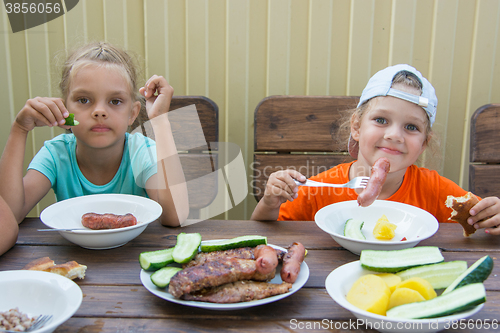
(71, 121)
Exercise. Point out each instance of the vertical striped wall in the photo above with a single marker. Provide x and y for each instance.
(237, 52)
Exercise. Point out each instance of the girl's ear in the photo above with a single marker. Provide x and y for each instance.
(136, 108)
(355, 124)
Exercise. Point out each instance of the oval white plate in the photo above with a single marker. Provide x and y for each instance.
(35, 293)
(339, 282)
(163, 293)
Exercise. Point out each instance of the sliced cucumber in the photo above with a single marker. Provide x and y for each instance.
(154, 260)
(478, 272)
(161, 278)
(399, 260)
(352, 229)
(439, 275)
(186, 247)
(71, 121)
(234, 243)
(457, 300)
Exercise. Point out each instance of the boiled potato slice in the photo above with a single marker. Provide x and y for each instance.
(402, 296)
(421, 285)
(370, 293)
(384, 230)
(391, 279)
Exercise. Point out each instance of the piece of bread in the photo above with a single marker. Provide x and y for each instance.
(460, 210)
(71, 269)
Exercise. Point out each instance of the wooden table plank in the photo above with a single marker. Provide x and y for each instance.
(137, 302)
(449, 236)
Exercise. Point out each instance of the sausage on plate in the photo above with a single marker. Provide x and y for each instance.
(379, 173)
(292, 261)
(107, 221)
(266, 259)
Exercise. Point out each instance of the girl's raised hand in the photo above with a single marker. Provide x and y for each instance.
(158, 93)
(281, 187)
(486, 214)
(42, 111)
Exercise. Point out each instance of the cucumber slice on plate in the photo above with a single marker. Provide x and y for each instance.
(154, 260)
(234, 243)
(186, 247)
(399, 260)
(353, 229)
(478, 272)
(161, 278)
(439, 275)
(458, 300)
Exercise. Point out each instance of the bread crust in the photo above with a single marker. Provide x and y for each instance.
(70, 269)
(460, 211)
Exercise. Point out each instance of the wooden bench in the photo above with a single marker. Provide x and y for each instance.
(197, 162)
(484, 168)
(298, 132)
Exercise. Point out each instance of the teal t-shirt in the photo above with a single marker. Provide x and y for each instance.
(57, 161)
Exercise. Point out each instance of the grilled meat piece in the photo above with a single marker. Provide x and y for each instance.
(239, 253)
(215, 273)
(240, 291)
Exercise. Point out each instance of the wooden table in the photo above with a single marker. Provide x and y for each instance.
(114, 300)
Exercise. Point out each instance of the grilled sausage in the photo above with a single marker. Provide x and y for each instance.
(292, 261)
(379, 173)
(266, 259)
(107, 221)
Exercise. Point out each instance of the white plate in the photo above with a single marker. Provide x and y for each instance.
(163, 293)
(35, 293)
(68, 214)
(339, 282)
(413, 223)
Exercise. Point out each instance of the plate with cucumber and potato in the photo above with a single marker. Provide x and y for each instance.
(160, 267)
(355, 228)
(410, 290)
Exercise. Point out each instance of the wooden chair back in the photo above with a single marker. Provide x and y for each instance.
(298, 132)
(197, 162)
(484, 168)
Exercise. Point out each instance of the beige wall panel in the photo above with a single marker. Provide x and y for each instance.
(197, 47)
(278, 44)
(115, 24)
(360, 46)
(94, 16)
(403, 32)
(135, 33)
(75, 22)
(381, 35)
(156, 42)
(424, 24)
(176, 21)
(237, 107)
(297, 52)
(339, 54)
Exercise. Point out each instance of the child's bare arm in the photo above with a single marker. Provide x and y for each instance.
(168, 187)
(20, 194)
(9, 227)
(486, 214)
(280, 187)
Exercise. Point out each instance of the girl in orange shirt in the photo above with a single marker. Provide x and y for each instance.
(393, 119)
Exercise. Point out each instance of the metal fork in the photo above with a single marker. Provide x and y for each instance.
(358, 182)
(38, 323)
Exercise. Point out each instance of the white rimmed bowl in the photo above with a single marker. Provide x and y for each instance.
(339, 282)
(413, 224)
(35, 293)
(68, 214)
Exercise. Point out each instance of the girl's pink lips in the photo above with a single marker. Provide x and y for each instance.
(100, 128)
(390, 151)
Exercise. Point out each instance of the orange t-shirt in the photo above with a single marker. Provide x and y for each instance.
(421, 187)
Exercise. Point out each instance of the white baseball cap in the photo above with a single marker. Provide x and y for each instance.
(380, 85)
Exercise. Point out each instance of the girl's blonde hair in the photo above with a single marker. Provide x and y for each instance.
(402, 78)
(100, 53)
